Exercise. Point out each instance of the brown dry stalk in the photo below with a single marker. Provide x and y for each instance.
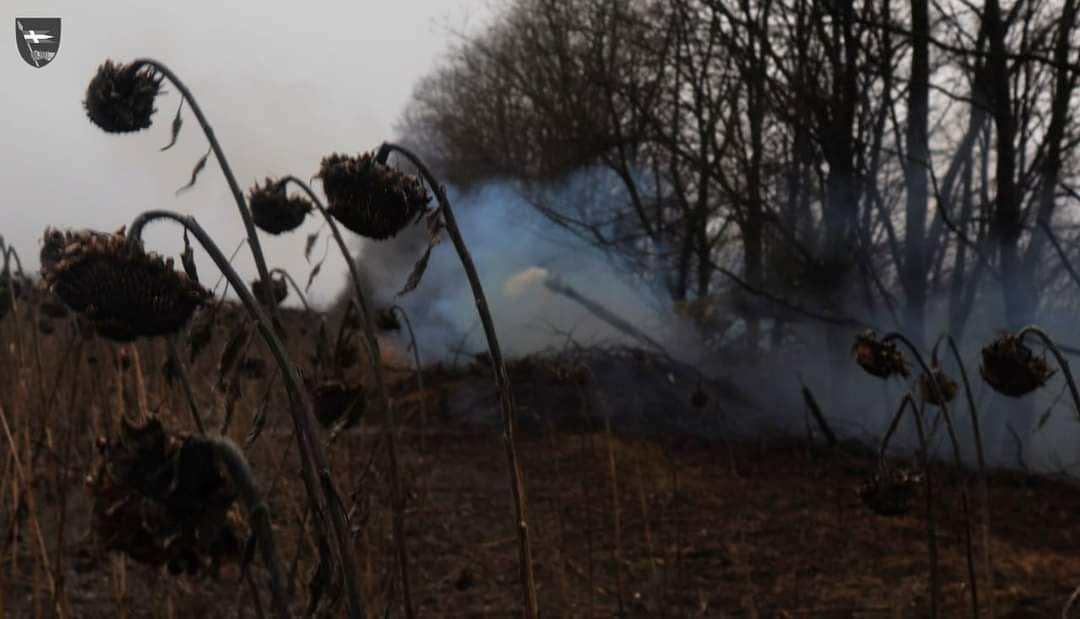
(140, 383)
(984, 490)
(28, 492)
(617, 553)
(502, 379)
(375, 360)
(944, 408)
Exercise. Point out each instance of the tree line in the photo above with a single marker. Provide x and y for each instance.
(907, 160)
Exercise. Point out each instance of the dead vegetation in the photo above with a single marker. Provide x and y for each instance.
(161, 440)
(654, 523)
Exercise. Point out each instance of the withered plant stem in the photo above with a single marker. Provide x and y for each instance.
(313, 463)
(502, 380)
(984, 491)
(939, 395)
(185, 382)
(244, 482)
(226, 169)
(26, 486)
(375, 359)
(9, 254)
(908, 403)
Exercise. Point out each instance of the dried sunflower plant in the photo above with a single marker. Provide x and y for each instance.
(374, 200)
(154, 495)
(890, 489)
(282, 213)
(121, 99)
(397, 200)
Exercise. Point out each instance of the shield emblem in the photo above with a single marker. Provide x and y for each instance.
(38, 39)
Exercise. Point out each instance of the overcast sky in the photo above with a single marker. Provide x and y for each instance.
(282, 84)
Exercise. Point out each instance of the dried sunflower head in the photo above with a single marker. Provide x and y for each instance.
(369, 198)
(946, 384)
(1011, 368)
(160, 498)
(125, 292)
(273, 210)
(279, 290)
(386, 320)
(334, 400)
(889, 492)
(878, 357)
(120, 98)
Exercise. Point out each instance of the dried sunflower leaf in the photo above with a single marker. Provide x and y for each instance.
(314, 273)
(418, 271)
(188, 259)
(309, 245)
(177, 123)
(195, 173)
(1045, 417)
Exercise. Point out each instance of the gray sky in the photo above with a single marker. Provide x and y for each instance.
(282, 84)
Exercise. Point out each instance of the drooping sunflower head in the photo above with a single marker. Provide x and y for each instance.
(1010, 367)
(946, 386)
(878, 357)
(273, 210)
(890, 491)
(123, 291)
(370, 198)
(120, 98)
(278, 292)
(161, 498)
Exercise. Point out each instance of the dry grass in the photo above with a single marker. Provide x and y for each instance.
(765, 527)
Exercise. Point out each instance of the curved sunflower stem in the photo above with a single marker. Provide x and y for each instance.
(939, 392)
(244, 482)
(10, 253)
(939, 395)
(908, 403)
(313, 462)
(1062, 363)
(419, 372)
(375, 359)
(226, 169)
(984, 491)
(502, 380)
